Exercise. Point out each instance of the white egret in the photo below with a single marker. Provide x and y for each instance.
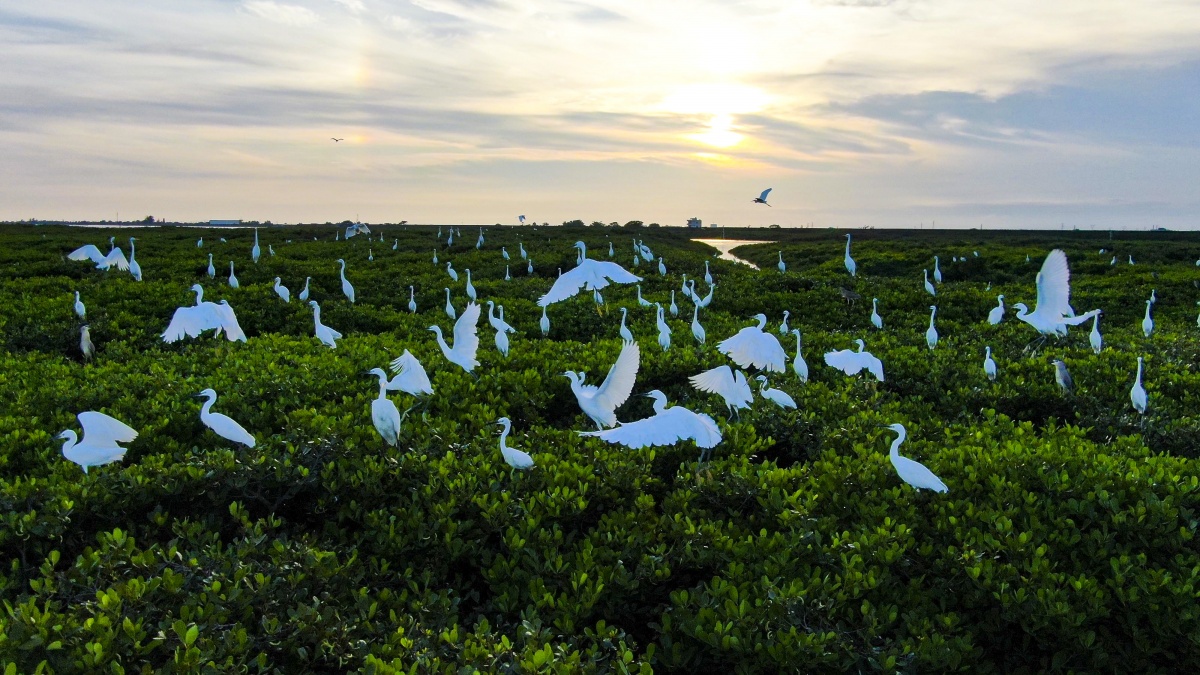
(135, 268)
(782, 267)
(325, 334)
(662, 267)
(80, 310)
(664, 331)
(304, 293)
(600, 403)
(667, 426)
(1138, 393)
(645, 251)
(851, 363)
(99, 446)
(642, 301)
(707, 275)
(396, 245)
(599, 299)
(412, 300)
(1094, 337)
(411, 377)
(271, 249)
(479, 241)
(450, 238)
(347, 287)
(1130, 260)
(610, 249)
(703, 302)
(1061, 376)
(1053, 312)
(674, 307)
(449, 306)
(697, 329)
(498, 323)
(466, 339)
(115, 257)
(529, 266)
(233, 280)
(515, 458)
(727, 384)
(911, 471)
(876, 320)
(624, 331)
(502, 342)
(683, 288)
(937, 270)
(255, 251)
(212, 271)
(282, 291)
(589, 275)
(222, 240)
(85, 342)
(851, 266)
(1153, 297)
(192, 321)
(799, 365)
(1110, 262)
(545, 323)
(521, 248)
(370, 254)
(507, 276)
(1147, 322)
(776, 396)
(783, 327)
(997, 314)
(451, 272)
(200, 242)
(752, 347)
(504, 252)
(435, 258)
(928, 286)
(989, 365)
(222, 425)
(931, 335)
(762, 198)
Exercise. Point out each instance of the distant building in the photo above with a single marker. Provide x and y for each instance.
(694, 222)
(223, 223)
(713, 225)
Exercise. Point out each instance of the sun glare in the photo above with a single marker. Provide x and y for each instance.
(722, 102)
(720, 133)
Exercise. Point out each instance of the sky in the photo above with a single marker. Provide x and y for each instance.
(858, 113)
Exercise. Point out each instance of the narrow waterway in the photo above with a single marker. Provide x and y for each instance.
(727, 245)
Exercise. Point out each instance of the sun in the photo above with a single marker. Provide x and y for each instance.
(721, 101)
(720, 133)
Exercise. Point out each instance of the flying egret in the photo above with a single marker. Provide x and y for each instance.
(928, 286)
(600, 403)
(1147, 322)
(588, 275)
(282, 291)
(192, 321)
(498, 323)
(799, 365)
(851, 266)
(642, 301)
(466, 339)
(85, 342)
(1061, 376)
(1094, 337)
(545, 323)
(99, 446)
(504, 252)
(931, 335)
(1053, 312)
(989, 365)
(727, 384)
(212, 271)
(664, 331)
(222, 425)
(255, 252)
(697, 329)
(782, 267)
(450, 271)
(115, 257)
(662, 267)
(876, 320)
(233, 280)
(667, 426)
(851, 363)
(135, 268)
(411, 377)
(449, 306)
(674, 307)
(304, 293)
(325, 334)
(707, 275)
(911, 471)
(783, 327)
(752, 347)
(1138, 393)
(347, 287)
(624, 331)
(937, 270)
(762, 198)
(515, 458)
(777, 396)
(997, 314)
(80, 310)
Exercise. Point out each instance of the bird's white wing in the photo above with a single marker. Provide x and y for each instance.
(673, 425)
(764, 194)
(752, 347)
(719, 380)
(189, 322)
(845, 360)
(1054, 286)
(117, 258)
(566, 286)
(87, 252)
(101, 430)
(229, 322)
(872, 363)
(410, 377)
(617, 387)
(612, 271)
(466, 331)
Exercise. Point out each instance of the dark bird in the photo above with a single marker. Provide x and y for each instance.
(338, 139)
(762, 199)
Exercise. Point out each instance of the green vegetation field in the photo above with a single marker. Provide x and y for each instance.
(1066, 543)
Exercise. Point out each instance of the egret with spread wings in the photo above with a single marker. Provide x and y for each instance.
(600, 403)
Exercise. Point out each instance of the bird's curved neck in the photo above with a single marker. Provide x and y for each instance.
(1139, 373)
(208, 404)
(582, 251)
(317, 313)
(199, 295)
(660, 405)
(504, 436)
(762, 322)
(895, 450)
(442, 343)
(71, 441)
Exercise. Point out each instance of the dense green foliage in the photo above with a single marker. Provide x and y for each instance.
(1066, 542)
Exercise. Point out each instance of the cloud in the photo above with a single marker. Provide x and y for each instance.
(289, 15)
(355, 6)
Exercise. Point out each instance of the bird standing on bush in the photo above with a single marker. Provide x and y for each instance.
(600, 403)
(752, 347)
(222, 425)
(911, 471)
(101, 435)
(384, 413)
(515, 458)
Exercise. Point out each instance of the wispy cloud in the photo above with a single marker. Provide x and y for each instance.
(291, 15)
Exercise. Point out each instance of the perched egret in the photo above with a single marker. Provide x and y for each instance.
(667, 426)
(674, 307)
(212, 271)
(545, 323)
(642, 301)
(1061, 376)
(411, 377)
(449, 306)
(521, 248)
(135, 268)
(498, 323)
(752, 347)
(599, 299)
(200, 242)
(1147, 322)
(911, 471)
(664, 331)
(782, 267)
(1053, 312)
(502, 342)
(851, 266)
(727, 384)
(707, 275)
(325, 334)
(610, 249)
(396, 245)
(304, 293)
(507, 276)
(937, 270)
(451, 272)
(370, 254)
(1094, 337)
(703, 302)
(997, 314)
(641, 247)
(347, 287)
(783, 327)
(1138, 393)
(662, 268)
(1130, 260)
(233, 280)
(799, 365)
(222, 425)
(762, 198)
(624, 331)
(515, 458)
(588, 275)
(282, 291)
(928, 286)
(850, 362)
(683, 288)
(471, 287)
(479, 241)
(931, 335)
(1153, 297)
(99, 446)
(255, 252)
(466, 339)
(192, 321)
(529, 266)
(776, 396)
(435, 258)
(1110, 262)
(85, 342)
(989, 365)
(600, 403)
(876, 320)
(697, 329)
(80, 310)
(412, 300)
(504, 252)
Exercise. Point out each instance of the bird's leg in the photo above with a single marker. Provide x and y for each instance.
(1038, 342)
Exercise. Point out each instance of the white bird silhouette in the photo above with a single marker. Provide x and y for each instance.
(697, 329)
(727, 384)
(135, 268)
(504, 252)
(514, 457)
(997, 314)
(588, 275)
(222, 425)
(762, 198)
(662, 267)
(200, 242)
(937, 270)
(928, 286)
(80, 310)
(664, 331)
(529, 266)
(1053, 312)
(466, 339)
(449, 306)
(347, 287)
(1062, 377)
(989, 365)
(1138, 393)
(233, 280)
(304, 293)
(255, 252)
(1147, 322)
(411, 377)
(600, 403)
(751, 347)
(451, 272)
(384, 413)
(799, 365)
(911, 471)
(192, 321)
(545, 323)
(521, 248)
(684, 288)
(282, 291)
(782, 267)
(212, 271)
(325, 334)
(435, 258)
(776, 396)
(1094, 337)
(931, 335)
(498, 323)
(667, 426)
(674, 307)
(851, 266)
(783, 326)
(876, 320)
(101, 435)
(707, 275)
(850, 362)
(703, 302)
(471, 288)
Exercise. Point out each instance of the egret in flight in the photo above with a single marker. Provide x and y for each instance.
(347, 287)
(282, 291)
(876, 320)
(667, 426)
(997, 314)
(911, 471)
(851, 266)
(762, 198)
(85, 342)
(515, 458)
(101, 436)
(325, 334)
(135, 267)
(466, 339)
(222, 425)
(600, 403)
(1053, 312)
(799, 365)
(989, 365)
(384, 413)
(80, 310)
(233, 280)
(752, 347)
(115, 257)
(411, 377)
(588, 275)
(727, 384)
(777, 396)
(304, 293)
(851, 363)
(931, 335)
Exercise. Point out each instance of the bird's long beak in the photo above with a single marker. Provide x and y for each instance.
(199, 396)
